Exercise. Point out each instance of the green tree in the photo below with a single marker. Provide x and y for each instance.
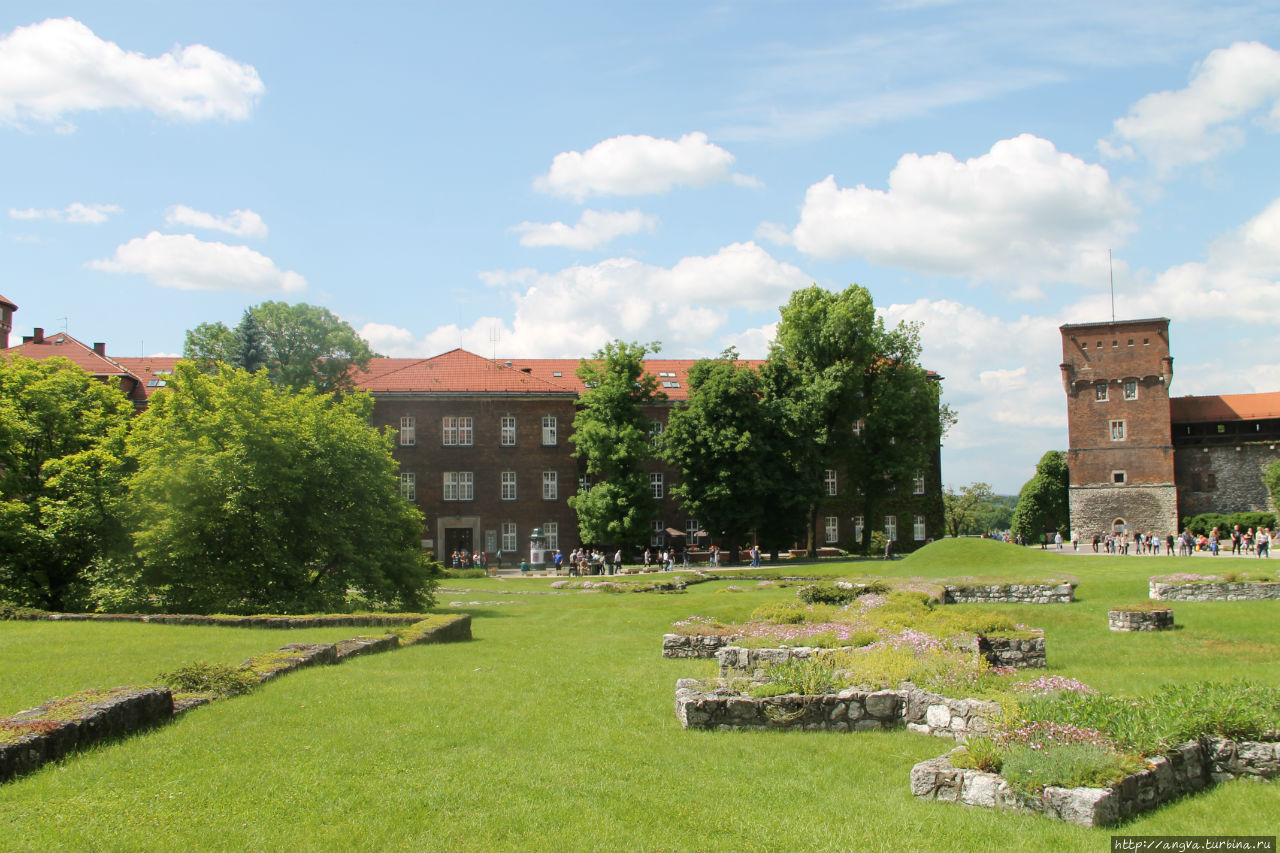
(301, 346)
(964, 507)
(995, 515)
(611, 434)
(735, 447)
(1271, 476)
(249, 498)
(61, 443)
(863, 398)
(1042, 502)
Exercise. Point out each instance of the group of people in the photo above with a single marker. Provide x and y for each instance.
(467, 560)
(1248, 541)
(584, 561)
(665, 559)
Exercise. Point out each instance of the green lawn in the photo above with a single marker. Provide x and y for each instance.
(553, 730)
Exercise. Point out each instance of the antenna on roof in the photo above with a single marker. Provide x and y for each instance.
(1111, 270)
(495, 335)
(65, 327)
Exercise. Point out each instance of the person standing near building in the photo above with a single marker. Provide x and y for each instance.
(617, 561)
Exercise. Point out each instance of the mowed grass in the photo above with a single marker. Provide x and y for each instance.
(553, 730)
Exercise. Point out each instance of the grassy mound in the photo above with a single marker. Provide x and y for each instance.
(982, 558)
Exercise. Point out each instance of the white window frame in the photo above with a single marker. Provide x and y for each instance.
(507, 486)
(585, 481)
(1131, 389)
(917, 486)
(510, 542)
(459, 486)
(858, 426)
(691, 528)
(1100, 391)
(891, 527)
(457, 431)
(550, 431)
(858, 524)
(831, 481)
(507, 430)
(551, 533)
(1119, 478)
(1117, 430)
(656, 486)
(408, 485)
(831, 527)
(408, 431)
(657, 533)
(656, 429)
(917, 528)
(550, 485)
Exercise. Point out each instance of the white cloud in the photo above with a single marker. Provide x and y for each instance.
(184, 262)
(1023, 213)
(751, 343)
(503, 278)
(578, 309)
(76, 212)
(594, 229)
(1202, 121)
(242, 223)
(59, 67)
(639, 165)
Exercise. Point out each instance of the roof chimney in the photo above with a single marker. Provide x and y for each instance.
(100, 348)
(38, 337)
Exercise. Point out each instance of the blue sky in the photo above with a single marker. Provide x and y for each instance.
(533, 180)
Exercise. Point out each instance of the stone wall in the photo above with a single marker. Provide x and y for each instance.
(695, 646)
(1145, 508)
(1028, 653)
(736, 661)
(1229, 478)
(1188, 768)
(1159, 590)
(1010, 593)
(1140, 620)
(335, 621)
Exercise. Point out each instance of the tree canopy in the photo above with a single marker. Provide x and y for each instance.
(300, 346)
(1043, 501)
(965, 506)
(249, 498)
(61, 443)
(860, 393)
(611, 434)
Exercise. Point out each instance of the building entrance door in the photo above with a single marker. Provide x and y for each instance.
(457, 539)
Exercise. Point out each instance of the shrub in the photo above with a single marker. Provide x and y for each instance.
(465, 573)
(826, 594)
(1203, 524)
(793, 613)
(807, 677)
(1029, 770)
(978, 753)
(217, 678)
(9, 610)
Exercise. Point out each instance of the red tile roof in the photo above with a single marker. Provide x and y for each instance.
(4, 301)
(675, 384)
(152, 371)
(456, 371)
(1225, 407)
(62, 345)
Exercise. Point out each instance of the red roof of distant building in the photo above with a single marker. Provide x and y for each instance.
(12, 305)
(672, 373)
(456, 371)
(152, 370)
(1225, 407)
(62, 345)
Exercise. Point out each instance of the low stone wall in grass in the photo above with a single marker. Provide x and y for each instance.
(1160, 590)
(1140, 620)
(1020, 653)
(695, 645)
(1028, 653)
(57, 728)
(850, 710)
(1189, 768)
(337, 620)
(1010, 593)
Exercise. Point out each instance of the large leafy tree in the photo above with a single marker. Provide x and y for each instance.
(872, 411)
(611, 434)
(1043, 501)
(736, 447)
(1271, 477)
(61, 443)
(300, 345)
(249, 498)
(963, 507)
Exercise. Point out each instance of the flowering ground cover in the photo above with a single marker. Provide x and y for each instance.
(553, 730)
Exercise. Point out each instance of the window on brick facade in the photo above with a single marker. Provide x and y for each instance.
(551, 530)
(508, 492)
(1100, 391)
(1117, 430)
(548, 430)
(917, 528)
(656, 428)
(858, 426)
(1117, 477)
(550, 485)
(891, 527)
(858, 523)
(409, 486)
(508, 432)
(691, 528)
(509, 536)
(831, 529)
(917, 485)
(1131, 389)
(1195, 482)
(656, 486)
(1211, 482)
(831, 482)
(657, 533)
(585, 481)
(408, 432)
(457, 432)
(459, 486)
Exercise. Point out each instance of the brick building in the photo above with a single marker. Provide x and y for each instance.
(1142, 460)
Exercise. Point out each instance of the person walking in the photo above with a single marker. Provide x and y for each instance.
(617, 561)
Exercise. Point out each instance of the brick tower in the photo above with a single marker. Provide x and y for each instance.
(6, 321)
(1120, 454)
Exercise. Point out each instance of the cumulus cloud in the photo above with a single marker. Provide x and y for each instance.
(183, 262)
(1023, 213)
(59, 67)
(580, 308)
(595, 228)
(1204, 120)
(242, 223)
(76, 212)
(639, 165)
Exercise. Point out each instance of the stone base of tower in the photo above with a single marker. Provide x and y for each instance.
(1140, 508)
